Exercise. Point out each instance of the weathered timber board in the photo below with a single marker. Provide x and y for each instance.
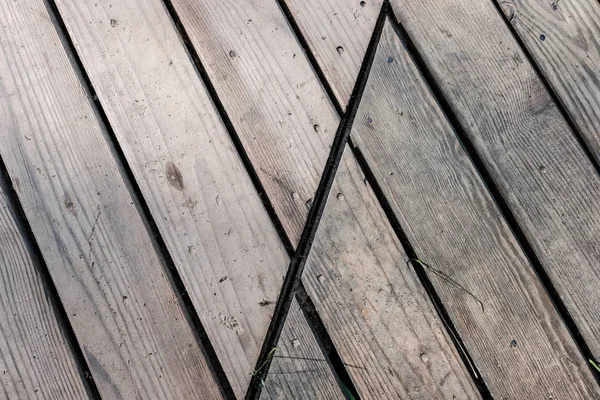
(35, 358)
(338, 34)
(206, 208)
(562, 37)
(375, 309)
(529, 150)
(517, 340)
(271, 94)
(133, 331)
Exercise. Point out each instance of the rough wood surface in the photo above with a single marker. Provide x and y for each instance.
(529, 150)
(126, 316)
(563, 37)
(299, 369)
(273, 97)
(521, 347)
(207, 210)
(35, 359)
(338, 33)
(373, 306)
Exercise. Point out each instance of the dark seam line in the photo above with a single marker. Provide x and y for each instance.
(297, 263)
(48, 283)
(440, 308)
(579, 136)
(497, 196)
(423, 277)
(136, 194)
(310, 55)
(317, 327)
(235, 138)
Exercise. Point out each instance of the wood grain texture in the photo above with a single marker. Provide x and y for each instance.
(273, 97)
(377, 313)
(202, 199)
(338, 34)
(299, 369)
(568, 55)
(518, 341)
(527, 147)
(134, 334)
(35, 359)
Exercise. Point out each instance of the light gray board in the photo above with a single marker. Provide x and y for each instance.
(35, 358)
(121, 305)
(338, 34)
(276, 104)
(206, 208)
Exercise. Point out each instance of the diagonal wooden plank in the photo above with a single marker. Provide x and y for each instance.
(299, 369)
(250, 81)
(134, 334)
(531, 154)
(376, 311)
(374, 307)
(517, 340)
(213, 222)
(338, 34)
(271, 94)
(562, 37)
(35, 360)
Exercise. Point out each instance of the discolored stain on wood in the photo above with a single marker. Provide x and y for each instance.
(69, 205)
(174, 176)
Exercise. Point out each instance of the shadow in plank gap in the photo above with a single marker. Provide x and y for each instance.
(518, 341)
(542, 178)
(316, 209)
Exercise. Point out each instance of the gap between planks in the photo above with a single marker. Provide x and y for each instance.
(385, 12)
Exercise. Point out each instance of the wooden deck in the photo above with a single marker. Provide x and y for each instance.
(299, 199)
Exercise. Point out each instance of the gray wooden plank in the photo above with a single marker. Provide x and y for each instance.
(36, 361)
(518, 342)
(299, 369)
(125, 314)
(250, 82)
(273, 97)
(377, 313)
(562, 37)
(214, 224)
(524, 142)
(338, 34)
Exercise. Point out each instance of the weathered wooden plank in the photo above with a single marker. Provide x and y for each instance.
(518, 341)
(374, 307)
(125, 314)
(563, 37)
(35, 359)
(273, 97)
(213, 222)
(248, 51)
(524, 142)
(338, 34)
(299, 369)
